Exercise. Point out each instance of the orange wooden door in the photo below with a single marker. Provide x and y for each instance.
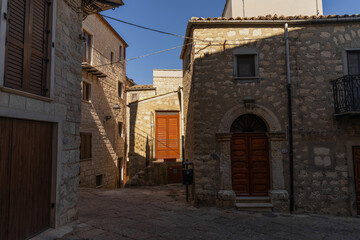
(167, 135)
(356, 151)
(27, 183)
(250, 165)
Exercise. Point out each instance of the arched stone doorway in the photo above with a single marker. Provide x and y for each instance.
(250, 156)
(276, 144)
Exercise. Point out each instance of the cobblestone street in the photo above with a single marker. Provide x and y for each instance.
(161, 213)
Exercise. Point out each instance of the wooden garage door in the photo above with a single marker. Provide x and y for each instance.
(25, 177)
(167, 135)
(250, 164)
(356, 151)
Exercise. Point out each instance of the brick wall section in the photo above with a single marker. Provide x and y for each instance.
(142, 127)
(321, 167)
(167, 80)
(107, 145)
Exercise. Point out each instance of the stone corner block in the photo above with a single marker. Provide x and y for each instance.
(226, 198)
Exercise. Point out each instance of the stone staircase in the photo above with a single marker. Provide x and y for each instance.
(260, 204)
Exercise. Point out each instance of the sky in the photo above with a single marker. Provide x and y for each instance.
(172, 16)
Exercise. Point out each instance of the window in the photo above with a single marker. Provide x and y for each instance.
(121, 53)
(27, 54)
(353, 62)
(85, 146)
(86, 91)
(112, 58)
(134, 97)
(120, 89)
(87, 47)
(120, 126)
(245, 63)
(99, 180)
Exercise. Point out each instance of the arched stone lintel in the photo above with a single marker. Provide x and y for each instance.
(272, 122)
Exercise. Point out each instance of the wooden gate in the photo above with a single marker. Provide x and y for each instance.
(250, 164)
(356, 151)
(25, 177)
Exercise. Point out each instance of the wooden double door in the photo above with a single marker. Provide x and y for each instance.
(25, 177)
(356, 152)
(250, 164)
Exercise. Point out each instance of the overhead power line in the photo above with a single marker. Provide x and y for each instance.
(147, 28)
(146, 55)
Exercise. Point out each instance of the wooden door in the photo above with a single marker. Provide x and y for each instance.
(167, 135)
(356, 151)
(27, 183)
(174, 174)
(5, 143)
(250, 164)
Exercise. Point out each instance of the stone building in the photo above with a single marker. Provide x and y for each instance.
(40, 102)
(154, 119)
(236, 102)
(254, 8)
(102, 128)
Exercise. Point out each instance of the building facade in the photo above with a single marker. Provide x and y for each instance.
(244, 152)
(155, 130)
(254, 8)
(40, 102)
(102, 128)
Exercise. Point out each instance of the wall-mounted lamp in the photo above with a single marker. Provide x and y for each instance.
(116, 107)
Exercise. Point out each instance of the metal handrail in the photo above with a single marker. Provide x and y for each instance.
(346, 92)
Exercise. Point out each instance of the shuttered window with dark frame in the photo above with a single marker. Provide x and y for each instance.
(85, 146)
(28, 46)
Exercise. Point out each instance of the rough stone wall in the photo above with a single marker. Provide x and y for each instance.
(167, 80)
(107, 144)
(142, 94)
(142, 128)
(63, 109)
(320, 141)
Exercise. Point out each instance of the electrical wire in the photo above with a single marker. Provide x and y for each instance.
(146, 55)
(167, 33)
(147, 28)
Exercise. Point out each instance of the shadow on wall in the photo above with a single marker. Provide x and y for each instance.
(210, 90)
(100, 118)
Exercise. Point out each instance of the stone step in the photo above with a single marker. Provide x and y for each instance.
(253, 199)
(258, 207)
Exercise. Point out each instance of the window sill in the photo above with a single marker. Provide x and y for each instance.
(246, 78)
(26, 94)
(85, 160)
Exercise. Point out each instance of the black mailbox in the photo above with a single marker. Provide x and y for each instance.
(187, 176)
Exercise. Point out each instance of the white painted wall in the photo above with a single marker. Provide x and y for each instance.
(254, 8)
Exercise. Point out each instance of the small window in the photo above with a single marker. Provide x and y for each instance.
(112, 58)
(121, 53)
(353, 59)
(245, 63)
(120, 126)
(99, 180)
(85, 146)
(86, 91)
(134, 97)
(87, 47)
(245, 66)
(120, 89)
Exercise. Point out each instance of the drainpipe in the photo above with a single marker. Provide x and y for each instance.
(291, 150)
(182, 124)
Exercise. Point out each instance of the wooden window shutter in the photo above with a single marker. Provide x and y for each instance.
(28, 46)
(15, 40)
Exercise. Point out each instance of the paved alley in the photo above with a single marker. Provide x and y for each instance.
(161, 213)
